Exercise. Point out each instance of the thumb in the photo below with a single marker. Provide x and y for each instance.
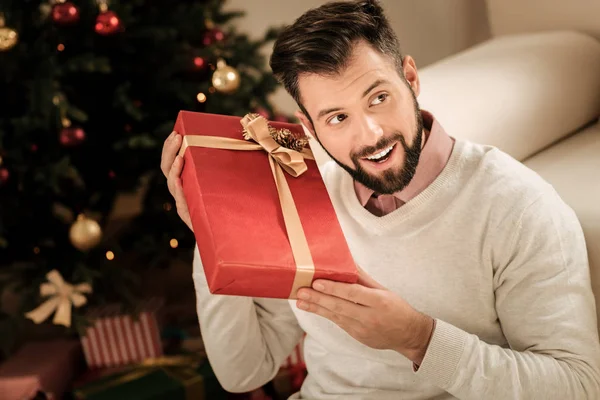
(366, 280)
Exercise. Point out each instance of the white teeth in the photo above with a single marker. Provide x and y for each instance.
(380, 154)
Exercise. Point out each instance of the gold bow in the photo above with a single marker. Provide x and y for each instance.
(63, 295)
(256, 128)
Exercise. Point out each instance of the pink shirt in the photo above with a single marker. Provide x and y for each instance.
(434, 156)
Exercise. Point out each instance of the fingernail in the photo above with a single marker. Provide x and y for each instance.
(303, 295)
(318, 286)
(303, 305)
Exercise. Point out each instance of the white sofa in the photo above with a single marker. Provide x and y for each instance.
(533, 90)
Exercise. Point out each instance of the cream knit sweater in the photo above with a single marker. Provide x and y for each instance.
(488, 249)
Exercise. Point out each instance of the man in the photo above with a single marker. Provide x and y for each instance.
(474, 275)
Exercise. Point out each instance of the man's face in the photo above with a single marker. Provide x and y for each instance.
(367, 118)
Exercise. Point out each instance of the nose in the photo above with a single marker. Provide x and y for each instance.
(369, 131)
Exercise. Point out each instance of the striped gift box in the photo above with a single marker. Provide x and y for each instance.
(117, 339)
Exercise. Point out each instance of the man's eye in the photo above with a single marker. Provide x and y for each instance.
(337, 119)
(380, 99)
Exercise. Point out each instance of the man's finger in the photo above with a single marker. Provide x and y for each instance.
(333, 304)
(176, 168)
(176, 185)
(353, 292)
(169, 152)
(174, 175)
(340, 320)
(184, 211)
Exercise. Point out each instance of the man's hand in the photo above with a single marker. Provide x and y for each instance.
(371, 314)
(171, 165)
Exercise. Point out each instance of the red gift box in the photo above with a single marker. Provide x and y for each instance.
(117, 339)
(235, 203)
(47, 366)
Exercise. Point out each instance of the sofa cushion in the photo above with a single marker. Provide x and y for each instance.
(573, 168)
(518, 16)
(519, 93)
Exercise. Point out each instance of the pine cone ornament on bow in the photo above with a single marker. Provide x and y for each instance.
(283, 137)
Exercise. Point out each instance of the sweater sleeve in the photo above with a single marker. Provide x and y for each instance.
(546, 309)
(246, 339)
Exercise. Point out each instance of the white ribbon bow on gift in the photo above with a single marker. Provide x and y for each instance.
(63, 295)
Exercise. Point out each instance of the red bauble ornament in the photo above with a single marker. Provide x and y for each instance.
(71, 136)
(212, 36)
(281, 118)
(200, 63)
(4, 175)
(65, 13)
(108, 23)
(263, 112)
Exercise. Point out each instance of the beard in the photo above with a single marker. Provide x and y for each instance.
(396, 178)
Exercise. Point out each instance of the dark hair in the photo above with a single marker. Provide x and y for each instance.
(321, 41)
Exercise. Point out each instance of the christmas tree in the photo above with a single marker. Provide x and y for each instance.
(89, 91)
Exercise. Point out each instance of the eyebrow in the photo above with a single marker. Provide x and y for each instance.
(378, 82)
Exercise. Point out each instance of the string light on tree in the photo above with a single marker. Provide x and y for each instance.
(201, 97)
(8, 37)
(226, 79)
(107, 22)
(85, 233)
(45, 10)
(173, 243)
(65, 13)
(110, 255)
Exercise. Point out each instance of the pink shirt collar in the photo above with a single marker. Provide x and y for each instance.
(433, 159)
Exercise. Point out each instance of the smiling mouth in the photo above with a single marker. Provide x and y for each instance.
(381, 156)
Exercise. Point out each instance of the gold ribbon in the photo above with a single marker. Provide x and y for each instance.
(280, 159)
(63, 295)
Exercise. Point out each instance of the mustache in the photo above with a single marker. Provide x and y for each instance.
(381, 144)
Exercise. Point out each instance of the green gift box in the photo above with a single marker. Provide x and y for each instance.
(154, 381)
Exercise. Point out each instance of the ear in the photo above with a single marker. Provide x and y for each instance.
(410, 73)
(306, 123)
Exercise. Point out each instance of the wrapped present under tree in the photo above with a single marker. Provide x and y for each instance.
(116, 338)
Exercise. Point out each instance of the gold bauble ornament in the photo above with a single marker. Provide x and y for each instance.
(8, 36)
(85, 233)
(226, 79)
